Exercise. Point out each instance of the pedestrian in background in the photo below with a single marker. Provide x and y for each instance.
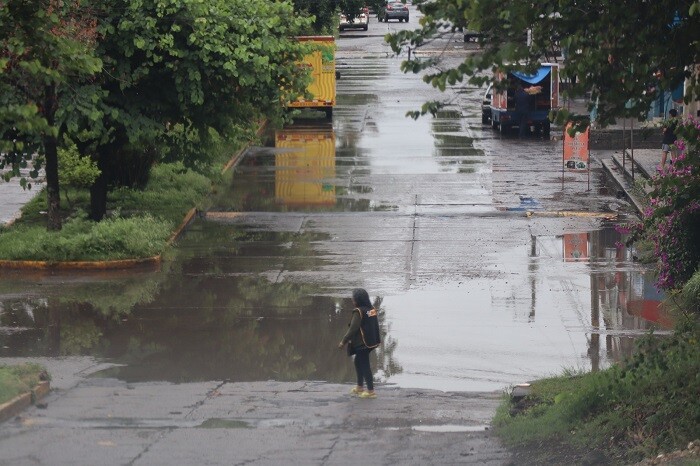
(360, 339)
(669, 135)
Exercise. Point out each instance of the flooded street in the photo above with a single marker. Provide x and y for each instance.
(488, 265)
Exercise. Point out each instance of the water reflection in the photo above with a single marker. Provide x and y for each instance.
(218, 311)
(544, 313)
(298, 171)
(575, 247)
(623, 298)
(215, 312)
(454, 146)
(305, 169)
(625, 293)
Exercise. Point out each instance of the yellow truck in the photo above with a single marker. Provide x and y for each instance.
(321, 62)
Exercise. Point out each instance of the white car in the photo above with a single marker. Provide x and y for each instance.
(361, 21)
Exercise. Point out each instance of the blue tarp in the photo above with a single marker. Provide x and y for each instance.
(533, 79)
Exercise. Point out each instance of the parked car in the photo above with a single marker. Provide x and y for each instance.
(472, 36)
(486, 106)
(361, 21)
(393, 10)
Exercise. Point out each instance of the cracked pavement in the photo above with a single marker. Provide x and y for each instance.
(111, 422)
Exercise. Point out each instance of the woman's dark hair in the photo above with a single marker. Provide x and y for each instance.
(361, 298)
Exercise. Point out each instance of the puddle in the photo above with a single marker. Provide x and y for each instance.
(217, 423)
(471, 297)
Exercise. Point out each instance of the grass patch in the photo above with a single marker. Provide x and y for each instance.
(139, 224)
(15, 380)
(647, 405)
(80, 239)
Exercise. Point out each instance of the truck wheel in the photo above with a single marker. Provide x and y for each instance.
(365, 28)
(329, 113)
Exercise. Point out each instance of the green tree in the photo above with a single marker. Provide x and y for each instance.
(210, 67)
(323, 12)
(46, 54)
(622, 53)
(351, 8)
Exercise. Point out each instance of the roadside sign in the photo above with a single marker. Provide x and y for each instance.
(576, 150)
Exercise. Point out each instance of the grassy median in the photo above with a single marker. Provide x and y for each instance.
(138, 225)
(139, 221)
(647, 405)
(15, 380)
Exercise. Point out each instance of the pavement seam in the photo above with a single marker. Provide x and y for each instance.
(327, 456)
(209, 394)
(148, 447)
(411, 257)
(168, 430)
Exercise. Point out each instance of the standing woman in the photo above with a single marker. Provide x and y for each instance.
(362, 337)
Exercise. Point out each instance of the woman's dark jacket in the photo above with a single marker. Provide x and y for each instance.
(363, 331)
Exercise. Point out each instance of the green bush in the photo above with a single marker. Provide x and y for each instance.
(80, 239)
(15, 380)
(172, 190)
(74, 170)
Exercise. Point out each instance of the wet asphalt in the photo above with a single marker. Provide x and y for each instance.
(105, 421)
(489, 265)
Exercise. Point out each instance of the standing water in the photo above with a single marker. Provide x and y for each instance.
(451, 227)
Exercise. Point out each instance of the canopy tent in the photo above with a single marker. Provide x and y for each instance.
(542, 73)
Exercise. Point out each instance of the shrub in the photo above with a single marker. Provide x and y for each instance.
(74, 170)
(15, 380)
(672, 220)
(80, 239)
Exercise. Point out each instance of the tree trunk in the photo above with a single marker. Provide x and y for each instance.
(98, 191)
(50, 142)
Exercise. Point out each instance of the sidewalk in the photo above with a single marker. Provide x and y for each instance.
(13, 197)
(630, 172)
(626, 132)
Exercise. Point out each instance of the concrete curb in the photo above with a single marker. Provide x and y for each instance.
(21, 402)
(572, 213)
(78, 265)
(619, 178)
(239, 155)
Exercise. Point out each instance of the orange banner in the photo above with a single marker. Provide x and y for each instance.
(576, 150)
